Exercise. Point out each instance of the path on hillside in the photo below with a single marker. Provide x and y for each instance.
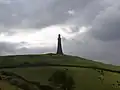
(57, 65)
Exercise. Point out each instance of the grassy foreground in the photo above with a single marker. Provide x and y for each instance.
(85, 79)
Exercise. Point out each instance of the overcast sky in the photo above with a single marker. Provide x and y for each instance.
(89, 28)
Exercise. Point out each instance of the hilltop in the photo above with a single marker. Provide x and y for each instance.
(52, 58)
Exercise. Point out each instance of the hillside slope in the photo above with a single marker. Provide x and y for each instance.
(85, 79)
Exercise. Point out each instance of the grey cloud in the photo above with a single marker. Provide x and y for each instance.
(6, 47)
(36, 50)
(106, 25)
(37, 13)
(14, 13)
(86, 15)
(94, 49)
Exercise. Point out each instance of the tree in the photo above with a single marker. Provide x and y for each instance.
(69, 84)
(61, 79)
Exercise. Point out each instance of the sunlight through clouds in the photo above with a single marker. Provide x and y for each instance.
(45, 37)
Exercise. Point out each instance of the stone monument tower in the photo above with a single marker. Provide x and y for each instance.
(59, 47)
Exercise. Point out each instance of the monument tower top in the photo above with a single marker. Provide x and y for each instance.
(59, 47)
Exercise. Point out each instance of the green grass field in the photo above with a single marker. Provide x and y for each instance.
(85, 79)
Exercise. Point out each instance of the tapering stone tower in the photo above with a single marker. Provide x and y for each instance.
(59, 47)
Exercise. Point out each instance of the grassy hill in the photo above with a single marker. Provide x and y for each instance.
(85, 79)
(49, 58)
